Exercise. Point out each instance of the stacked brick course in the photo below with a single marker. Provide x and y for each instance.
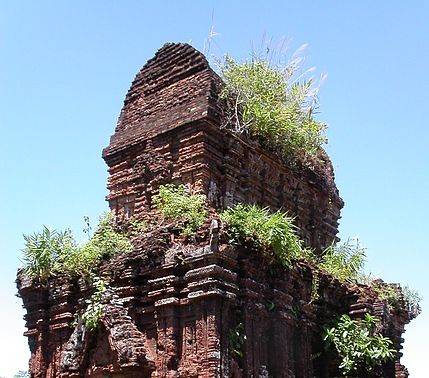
(170, 130)
(172, 307)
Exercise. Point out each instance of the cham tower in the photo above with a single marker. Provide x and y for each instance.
(200, 308)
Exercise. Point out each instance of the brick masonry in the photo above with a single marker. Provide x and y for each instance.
(173, 307)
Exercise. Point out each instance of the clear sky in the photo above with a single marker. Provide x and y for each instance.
(65, 67)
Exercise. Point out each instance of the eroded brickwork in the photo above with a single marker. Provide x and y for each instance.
(171, 310)
(170, 130)
(173, 307)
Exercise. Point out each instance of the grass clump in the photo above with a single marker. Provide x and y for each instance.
(343, 261)
(106, 242)
(396, 296)
(176, 203)
(272, 233)
(386, 293)
(50, 252)
(44, 251)
(358, 344)
(267, 102)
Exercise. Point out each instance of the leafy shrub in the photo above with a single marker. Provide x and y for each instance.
(266, 101)
(94, 309)
(43, 251)
(236, 340)
(104, 243)
(395, 296)
(272, 233)
(51, 252)
(177, 204)
(358, 344)
(136, 227)
(386, 293)
(344, 261)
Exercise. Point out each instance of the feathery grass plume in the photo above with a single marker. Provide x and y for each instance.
(273, 103)
(412, 300)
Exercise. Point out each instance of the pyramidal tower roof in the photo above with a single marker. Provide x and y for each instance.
(173, 88)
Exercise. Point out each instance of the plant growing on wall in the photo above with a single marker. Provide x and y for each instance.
(94, 308)
(178, 204)
(269, 103)
(51, 252)
(394, 295)
(106, 242)
(43, 252)
(236, 340)
(22, 374)
(343, 261)
(358, 344)
(272, 233)
(412, 301)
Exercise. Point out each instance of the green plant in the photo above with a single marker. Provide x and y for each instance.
(412, 301)
(43, 251)
(48, 253)
(386, 293)
(272, 233)
(178, 204)
(269, 102)
(94, 308)
(395, 296)
(344, 261)
(358, 344)
(236, 340)
(296, 312)
(136, 227)
(315, 286)
(106, 242)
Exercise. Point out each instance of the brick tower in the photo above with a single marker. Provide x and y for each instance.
(203, 308)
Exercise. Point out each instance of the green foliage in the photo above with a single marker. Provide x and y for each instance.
(268, 102)
(412, 301)
(344, 261)
(136, 227)
(236, 340)
(177, 204)
(94, 308)
(358, 344)
(44, 250)
(396, 297)
(104, 243)
(315, 286)
(48, 253)
(271, 233)
(386, 293)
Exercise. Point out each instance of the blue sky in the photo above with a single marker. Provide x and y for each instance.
(65, 68)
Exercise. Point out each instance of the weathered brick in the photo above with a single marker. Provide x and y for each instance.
(173, 306)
